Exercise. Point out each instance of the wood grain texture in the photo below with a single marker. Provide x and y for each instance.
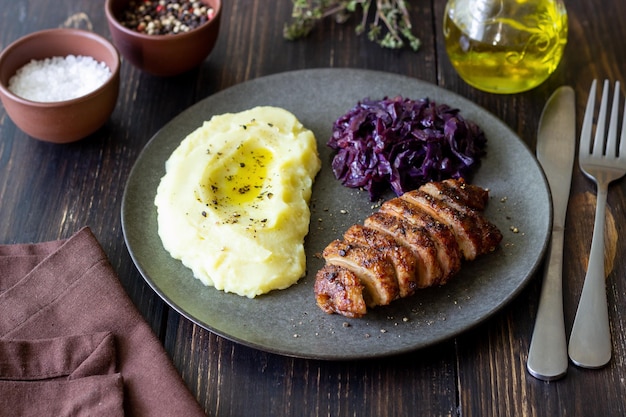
(49, 191)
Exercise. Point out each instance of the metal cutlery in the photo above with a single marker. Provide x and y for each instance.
(556, 148)
(602, 159)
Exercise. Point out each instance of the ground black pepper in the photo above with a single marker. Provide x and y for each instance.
(166, 17)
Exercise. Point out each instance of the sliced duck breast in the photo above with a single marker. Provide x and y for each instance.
(403, 259)
(429, 271)
(373, 268)
(448, 251)
(338, 290)
(474, 234)
(414, 241)
(458, 193)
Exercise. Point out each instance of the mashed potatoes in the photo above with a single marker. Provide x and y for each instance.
(233, 204)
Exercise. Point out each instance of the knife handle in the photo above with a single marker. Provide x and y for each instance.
(547, 357)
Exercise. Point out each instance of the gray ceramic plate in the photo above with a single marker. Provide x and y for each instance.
(288, 322)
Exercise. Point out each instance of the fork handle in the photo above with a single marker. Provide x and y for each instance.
(590, 340)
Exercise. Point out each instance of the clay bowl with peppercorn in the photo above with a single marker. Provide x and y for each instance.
(164, 37)
(59, 85)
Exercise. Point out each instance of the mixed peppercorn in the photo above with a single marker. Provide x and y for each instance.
(166, 17)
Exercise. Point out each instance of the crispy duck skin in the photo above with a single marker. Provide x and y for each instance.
(458, 193)
(339, 291)
(372, 267)
(448, 252)
(400, 256)
(475, 234)
(417, 240)
(429, 271)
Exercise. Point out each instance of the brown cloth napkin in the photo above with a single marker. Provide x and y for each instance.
(71, 341)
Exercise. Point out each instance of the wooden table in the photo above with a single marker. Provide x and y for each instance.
(50, 191)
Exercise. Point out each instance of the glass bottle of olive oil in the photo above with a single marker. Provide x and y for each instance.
(505, 46)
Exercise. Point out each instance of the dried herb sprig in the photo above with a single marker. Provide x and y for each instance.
(390, 28)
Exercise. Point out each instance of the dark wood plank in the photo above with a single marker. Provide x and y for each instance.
(234, 380)
(50, 191)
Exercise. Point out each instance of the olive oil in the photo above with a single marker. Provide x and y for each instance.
(505, 46)
(242, 176)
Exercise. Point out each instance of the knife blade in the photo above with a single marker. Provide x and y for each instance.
(556, 148)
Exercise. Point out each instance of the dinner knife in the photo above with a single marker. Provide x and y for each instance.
(556, 148)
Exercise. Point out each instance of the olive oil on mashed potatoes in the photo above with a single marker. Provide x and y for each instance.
(233, 204)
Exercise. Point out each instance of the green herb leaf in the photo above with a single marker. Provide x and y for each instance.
(390, 28)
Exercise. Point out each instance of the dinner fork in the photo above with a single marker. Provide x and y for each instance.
(603, 162)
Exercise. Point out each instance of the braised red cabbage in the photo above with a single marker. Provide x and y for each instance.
(401, 144)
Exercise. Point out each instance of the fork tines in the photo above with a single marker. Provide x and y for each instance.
(598, 146)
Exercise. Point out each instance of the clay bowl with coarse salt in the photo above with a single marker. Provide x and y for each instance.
(163, 54)
(66, 119)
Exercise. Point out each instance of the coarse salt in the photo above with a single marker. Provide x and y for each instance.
(59, 78)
